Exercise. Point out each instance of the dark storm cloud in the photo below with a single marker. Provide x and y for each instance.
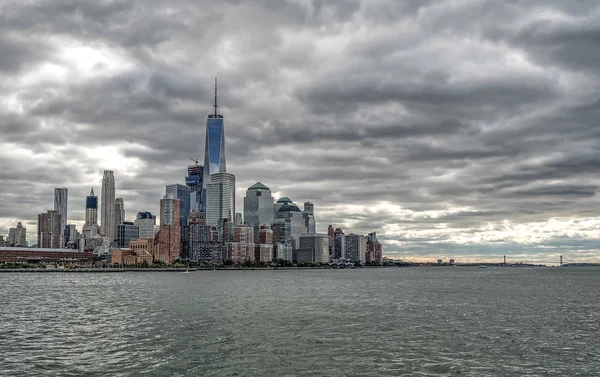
(428, 122)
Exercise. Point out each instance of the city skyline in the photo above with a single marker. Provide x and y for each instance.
(448, 138)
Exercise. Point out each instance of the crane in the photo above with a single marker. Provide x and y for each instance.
(195, 160)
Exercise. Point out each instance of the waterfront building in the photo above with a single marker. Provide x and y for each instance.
(145, 221)
(107, 206)
(126, 232)
(339, 244)
(315, 246)
(374, 249)
(71, 236)
(284, 251)
(119, 213)
(200, 247)
(17, 237)
(214, 153)
(241, 249)
(330, 234)
(356, 248)
(61, 195)
(264, 249)
(44, 255)
(452, 261)
(91, 229)
(49, 235)
(169, 235)
(143, 246)
(258, 207)
(220, 198)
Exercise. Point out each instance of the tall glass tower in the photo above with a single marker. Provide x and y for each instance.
(214, 148)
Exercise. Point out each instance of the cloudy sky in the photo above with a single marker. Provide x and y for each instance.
(465, 129)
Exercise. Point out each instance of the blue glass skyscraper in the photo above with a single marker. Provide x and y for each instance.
(214, 148)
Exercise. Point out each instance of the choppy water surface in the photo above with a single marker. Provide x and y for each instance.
(369, 322)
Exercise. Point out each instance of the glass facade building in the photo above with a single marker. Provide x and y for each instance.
(214, 148)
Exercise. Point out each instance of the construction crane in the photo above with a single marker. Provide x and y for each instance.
(195, 160)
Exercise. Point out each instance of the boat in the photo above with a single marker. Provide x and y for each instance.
(185, 272)
(482, 266)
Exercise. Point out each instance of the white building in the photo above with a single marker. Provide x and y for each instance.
(317, 244)
(220, 198)
(17, 236)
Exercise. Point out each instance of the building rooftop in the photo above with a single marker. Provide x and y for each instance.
(284, 199)
(258, 186)
(288, 208)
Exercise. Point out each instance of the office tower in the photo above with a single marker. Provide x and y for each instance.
(126, 231)
(288, 224)
(264, 247)
(169, 235)
(145, 222)
(309, 207)
(309, 218)
(330, 234)
(194, 181)
(61, 195)
(258, 207)
(239, 220)
(17, 237)
(375, 249)
(356, 247)
(214, 150)
(339, 244)
(241, 249)
(49, 235)
(71, 236)
(119, 213)
(313, 248)
(182, 193)
(220, 198)
(283, 200)
(107, 206)
(91, 228)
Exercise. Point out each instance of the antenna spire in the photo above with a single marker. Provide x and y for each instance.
(216, 108)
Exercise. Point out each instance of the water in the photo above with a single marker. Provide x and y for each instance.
(369, 322)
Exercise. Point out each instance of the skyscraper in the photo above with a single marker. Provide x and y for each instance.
(91, 228)
(126, 231)
(17, 236)
(107, 206)
(60, 205)
(314, 247)
(119, 213)
(49, 234)
(220, 198)
(182, 193)
(258, 207)
(169, 236)
(194, 181)
(145, 222)
(214, 149)
(356, 248)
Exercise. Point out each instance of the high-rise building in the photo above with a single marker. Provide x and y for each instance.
(126, 231)
(169, 235)
(107, 206)
(356, 248)
(182, 193)
(258, 207)
(90, 228)
(145, 222)
(314, 247)
(71, 236)
(61, 195)
(200, 248)
(214, 151)
(119, 213)
(239, 220)
(194, 181)
(288, 224)
(339, 244)
(241, 249)
(220, 198)
(374, 249)
(330, 234)
(264, 247)
(17, 237)
(49, 235)
(309, 207)
(309, 217)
